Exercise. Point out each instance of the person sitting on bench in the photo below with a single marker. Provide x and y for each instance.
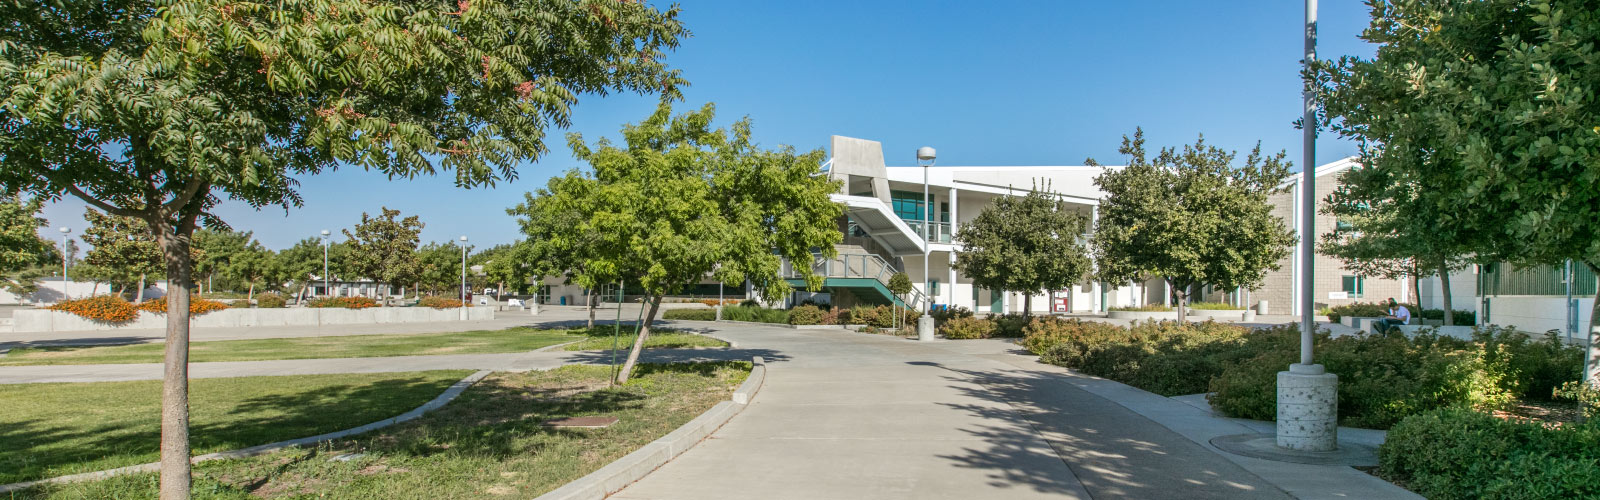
(1398, 315)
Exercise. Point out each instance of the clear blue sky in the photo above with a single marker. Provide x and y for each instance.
(987, 83)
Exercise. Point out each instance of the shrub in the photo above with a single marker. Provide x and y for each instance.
(842, 316)
(806, 315)
(1461, 317)
(1214, 306)
(1367, 310)
(438, 302)
(345, 302)
(819, 305)
(1010, 325)
(1455, 453)
(103, 308)
(1382, 378)
(940, 316)
(967, 328)
(755, 315)
(713, 302)
(1529, 368)
(1166, 358)
(197, 306)
(860, 315)
(690, 314)
(271, 301)
(1143, 308)
(749, 303)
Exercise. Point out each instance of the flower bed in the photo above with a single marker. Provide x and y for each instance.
(438, 302)
(197, 306)
(103, 308)
(344, 302)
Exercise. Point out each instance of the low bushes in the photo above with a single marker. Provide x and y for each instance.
(1214, 306)
(967, 328)
(690, 314)
(345, 302)
(1010, 325)
(1166, 358)
(104, 308)
(438, 302)
(1143, 308)
(755, 314)
(1374, 310)
(1456, 453)
(197, 306)
(271, 301)
(940, 316)
(1528, 368)
(807, 315)
(1461, 317)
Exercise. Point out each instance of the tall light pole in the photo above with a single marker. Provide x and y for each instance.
(926, 156)
(66, 281)
(463, 276)
(325, 289)
(1308, 394)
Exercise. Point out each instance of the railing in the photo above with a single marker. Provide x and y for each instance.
(856, 266)
(939, 232)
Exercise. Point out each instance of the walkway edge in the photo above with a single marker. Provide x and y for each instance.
(635, 466)
(445, 397)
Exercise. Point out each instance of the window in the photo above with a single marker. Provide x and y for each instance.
(906, 204)
(1354, 285)
(944, 212)
(974, 295)
(933, 288)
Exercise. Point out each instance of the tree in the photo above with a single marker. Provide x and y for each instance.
(221, 246)
(1389, 234)
(1031, 243)
(1190, 217)
(124, 249)
(899, 285)
(22, 252)
(160, 109)
(384, 249)
(252, 266)
(1491, 106)
(440, 267)
(559, 241)
(502, 264)
(680, 200)
(301, 264)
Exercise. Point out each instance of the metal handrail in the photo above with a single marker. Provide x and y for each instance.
(857, 266)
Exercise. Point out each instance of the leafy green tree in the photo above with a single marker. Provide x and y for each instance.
(22, 252)
(301, 264)
(1031, 243)
(1491, 106)
(221, 246)
(384, 248)
(679, 200)
(560, 242)
(1191, 217)
(124, 249)
(440, 267)
(900, 286)
(501, 264)
(1390, 231)
(160, 109)
(254, 266)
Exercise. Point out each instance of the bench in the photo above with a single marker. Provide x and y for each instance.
(1358, 322)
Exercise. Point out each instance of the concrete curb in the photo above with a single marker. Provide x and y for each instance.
(445, 397)
(635, 466)
(778, 325)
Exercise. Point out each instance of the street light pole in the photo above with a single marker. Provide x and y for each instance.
(325, 289)
(66, 281)
(926, 156)
(463, 277)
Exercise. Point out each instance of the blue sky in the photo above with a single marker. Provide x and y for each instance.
(987, 83)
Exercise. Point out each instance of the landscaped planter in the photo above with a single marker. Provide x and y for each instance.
(1143, 315)
(41, 320)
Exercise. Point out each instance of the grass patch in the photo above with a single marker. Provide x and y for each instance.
(487, 443)
(56, 429)
(599, 338)
(352, 346)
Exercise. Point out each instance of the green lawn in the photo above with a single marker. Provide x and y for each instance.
(352, 346)
(56, 429)
(487, 444)
(599, 338)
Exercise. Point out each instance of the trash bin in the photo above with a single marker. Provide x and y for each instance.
(563, 300)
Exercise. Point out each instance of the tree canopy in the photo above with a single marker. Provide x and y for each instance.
(1031, 243)
(383, 248)
(161, 109)
(22, 251)
(1190, 216)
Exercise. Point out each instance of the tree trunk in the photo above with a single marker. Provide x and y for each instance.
(1416, 286)
(593, 296)
(250, 295)
(1590, 372)
(1444, 284)
(300, 298)
(638, 343)
(175, 467)
(1027, 306)
(1182, 300)
(140, 296)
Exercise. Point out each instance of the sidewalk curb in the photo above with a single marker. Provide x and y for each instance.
(635, 466)
(445, 397)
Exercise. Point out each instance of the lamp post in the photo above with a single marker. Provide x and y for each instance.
(1307, 393)
(66, 281)
(463, 276)
(325, 289)
(925, 156)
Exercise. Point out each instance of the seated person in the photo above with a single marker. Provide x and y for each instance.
(1398, 315)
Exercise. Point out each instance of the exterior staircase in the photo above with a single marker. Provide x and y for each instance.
(865, 275)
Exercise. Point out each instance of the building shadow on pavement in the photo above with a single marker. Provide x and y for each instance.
(1112, 451)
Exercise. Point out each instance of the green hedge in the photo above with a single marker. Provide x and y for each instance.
(1214, 306)
(690, 314)
(1453, 453)
(807, 315)
(1166, 358)
(967, 328)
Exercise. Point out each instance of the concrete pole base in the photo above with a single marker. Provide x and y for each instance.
(925, 328)
(533, 308)
(1308, 409)
(719, 312)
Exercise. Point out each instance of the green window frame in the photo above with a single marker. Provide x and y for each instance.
(1354, 285)
(933, 288)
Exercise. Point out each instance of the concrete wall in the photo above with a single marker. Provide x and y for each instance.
(1463, 288)
(40, 320)
(1537, 314)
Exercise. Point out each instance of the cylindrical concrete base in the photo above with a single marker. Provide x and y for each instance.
(1308, 409)
(925, 328)
(719, 312)
(533, 307)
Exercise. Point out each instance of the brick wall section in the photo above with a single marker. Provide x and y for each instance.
(1329, 272)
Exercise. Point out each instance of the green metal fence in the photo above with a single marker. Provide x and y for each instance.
(1505, 279)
